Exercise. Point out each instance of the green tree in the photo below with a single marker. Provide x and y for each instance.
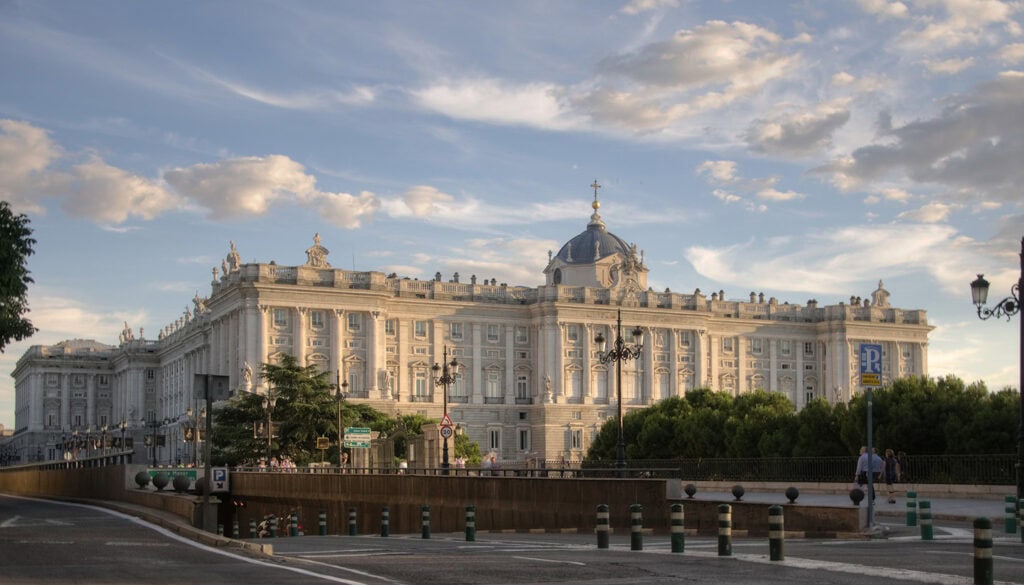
(468, 449)
(15, 247)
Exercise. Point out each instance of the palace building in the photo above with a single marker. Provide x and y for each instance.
(531, 383)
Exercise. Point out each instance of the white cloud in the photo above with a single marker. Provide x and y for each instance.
(424, 200)
(106, 194)
(1012, 53)
(347, 210)
(638, 6)
(776, 195)
(26, 154)
(929, 213)
(718, 171)
(727, 197)
(894, 194)
(842, 79)
(490, 100)
(959, 22)
(799, 132)
(884, 8)
(948, 66)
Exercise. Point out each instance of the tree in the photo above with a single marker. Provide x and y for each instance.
(15, 248)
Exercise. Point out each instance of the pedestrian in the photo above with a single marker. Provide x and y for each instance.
(865, 465)
(486, 466)
(891, 473)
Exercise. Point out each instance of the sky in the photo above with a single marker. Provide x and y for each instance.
(803, 149)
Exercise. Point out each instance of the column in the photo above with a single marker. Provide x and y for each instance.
(510, 363)
(65, 396)
(557, 360)
(299, 347)
(713, 361)
(90, 403)
(700, 371)
(254, 339)
(337, 338)
(588, 364)
(478, 372)
(373, 353)
(672, 339)
(264, 343)
(647, 382)
(800, 400)
(403, 379)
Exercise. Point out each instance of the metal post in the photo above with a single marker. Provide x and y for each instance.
(425, 510)
(602, 526)
(911, 508)
(984, 573)
(293, 528)
(678, 534)
(444, 375)
(724, 530)
(323, 523)
(620, 352)
(927, 532)
(208, 518)
(352, 525)
(636, 527)
(470, 523)
(385, 522)
(776, 534)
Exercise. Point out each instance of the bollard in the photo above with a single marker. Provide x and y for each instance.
(984, 573)
(235, 532)
(352, 522)
(426, 521)
(724, 530)
(252, 528)
(602, 526)
(293, 527)
(1010, 523)
(776, 534)
(323, 522)
(911, 508)
(470, 523)
(385, 521)
(678, 536)
(926, 520)
(636, 526)
(273, 527)
(220, 530)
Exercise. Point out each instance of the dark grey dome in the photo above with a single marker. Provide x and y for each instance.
(592, 245)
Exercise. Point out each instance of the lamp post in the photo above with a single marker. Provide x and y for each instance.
(341, 391)
(445, 374)
(269, 401)
(622, 351)
(1008, 307)
(103, 440)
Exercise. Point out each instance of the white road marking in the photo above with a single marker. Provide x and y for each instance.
(577, 563)
(17, 522)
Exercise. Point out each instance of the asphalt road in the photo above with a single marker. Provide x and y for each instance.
(44, 542)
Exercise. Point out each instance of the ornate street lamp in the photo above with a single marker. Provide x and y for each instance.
(622, 351)
(103, 440)
(445, 375)
(1008, 307)
(340, 393)
(269, 401)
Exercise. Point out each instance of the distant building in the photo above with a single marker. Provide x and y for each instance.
(532, 385)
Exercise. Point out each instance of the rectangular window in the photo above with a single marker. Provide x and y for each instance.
(355, 321)
(316, 319)
(756, 345)
(522, 335)
(280, 318)
(727, 344)
(494, 439)
(150, 374)
(316, 342)
(493, 384)
(456, 331)
(577, 415)
(576, 439)
(492, 333)
(78, 420)
(51, 420)
(421, 383)
(784, 346)
(572, 332)
(420, 328)
(53, 380)
(684, 339)
(102, 380)
(389, 327)
(808, 348)
(524, 440)
(522, 386)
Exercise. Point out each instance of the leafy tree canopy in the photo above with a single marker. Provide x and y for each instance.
(15, 247)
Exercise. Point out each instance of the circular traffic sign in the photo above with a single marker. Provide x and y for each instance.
(446, 432)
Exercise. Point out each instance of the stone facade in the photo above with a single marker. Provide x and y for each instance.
(531, 385)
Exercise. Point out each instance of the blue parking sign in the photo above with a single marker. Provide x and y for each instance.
(871, 364)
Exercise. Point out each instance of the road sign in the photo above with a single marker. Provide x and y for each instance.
(219, 389)
(870, 364)
(447, 432)
(323, 443)
(446, 421)
(357, 438)
(220, 479)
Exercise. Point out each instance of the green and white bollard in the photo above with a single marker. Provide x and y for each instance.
(776, 534)
(470, 523)
(927, 532)
(352, 525)
(1010, 524)
(678, 530)
(911, 508)
(724, 530)
(220, 530)
(426, 521)
(385, 522)
(273, 527)
(984, 573)
(293, 528)
(636, 527)
(235, 532)
(323, 522)
(602, 526)
(252, 528)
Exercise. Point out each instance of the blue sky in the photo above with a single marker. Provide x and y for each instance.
(801, 149)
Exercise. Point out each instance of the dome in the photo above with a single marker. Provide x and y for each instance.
(592, 245)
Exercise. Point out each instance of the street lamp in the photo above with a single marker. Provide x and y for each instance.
(341, 391)
(269, 401)
(622, 351)
(445, 374)
(103, 440)
(192, 433)
(1008, 307)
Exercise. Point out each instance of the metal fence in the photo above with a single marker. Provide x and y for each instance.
(929, 469)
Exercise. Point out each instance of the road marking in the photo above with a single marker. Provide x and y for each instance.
(970, 554)
(17, 522)
(577, 563)
(136, 543)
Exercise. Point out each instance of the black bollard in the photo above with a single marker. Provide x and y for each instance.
(636, 527)
(602, 526)
(678, 534)
(470, 523)
(984, 572)
(352, 525)
(724, 530)
(426, 521)
(385, 522)
(776, 534)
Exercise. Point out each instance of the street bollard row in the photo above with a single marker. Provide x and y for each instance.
(352, 525)
(911, 509)
(470, 523)
(1010, 523)
(602, 526)
(927, 532)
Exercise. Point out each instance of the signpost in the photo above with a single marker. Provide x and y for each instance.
(357, 438)
(870, 377)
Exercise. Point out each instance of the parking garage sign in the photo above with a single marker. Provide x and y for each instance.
(870, 364)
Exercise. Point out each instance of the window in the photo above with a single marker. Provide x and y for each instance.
(577, 415)
(53, 380)
(572, 332)
(355, 321)
(420, 328)
(51, 420)
(522, 386)
(493, 384)
(421, 383)
(524, 440)
(456, 330)
(150, 374)
(103, 380)
(492, 333)
(494, 439)
(576, 439)
(659, 339)
(316, 319)
(280, 318)
(756, 345)
(808, 348)
(727, 344)
(784, 346)
(316, 342)
(684, 339)
(906, 352)
(389, 327)
(522, 335)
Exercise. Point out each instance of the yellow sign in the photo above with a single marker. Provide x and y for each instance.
(870, 380)
(323, 443)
